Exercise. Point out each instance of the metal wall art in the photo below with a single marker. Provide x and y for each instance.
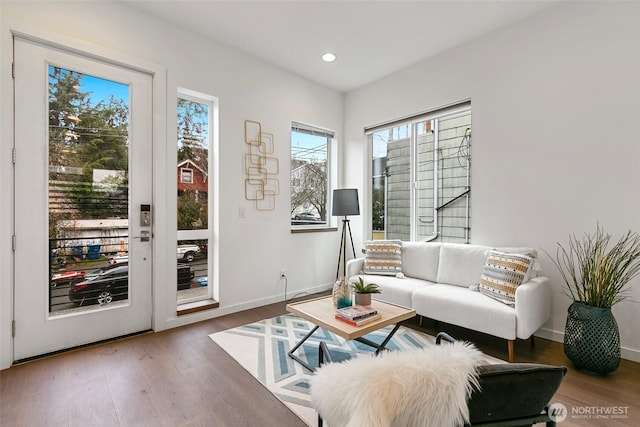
(261, 184)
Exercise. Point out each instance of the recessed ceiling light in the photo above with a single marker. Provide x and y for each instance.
(328, 57)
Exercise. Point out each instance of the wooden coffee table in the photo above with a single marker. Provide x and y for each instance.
(321, 312)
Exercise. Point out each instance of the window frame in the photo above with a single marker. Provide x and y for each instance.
(331, 175)
(205, 234)
(435, 114)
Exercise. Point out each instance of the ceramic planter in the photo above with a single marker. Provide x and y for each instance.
(363, 299)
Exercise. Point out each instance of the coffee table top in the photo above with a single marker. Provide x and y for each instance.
(321, 312)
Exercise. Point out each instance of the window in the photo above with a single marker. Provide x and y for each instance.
(186, 176)
(420, 177)
(196, 130)
(310, 176)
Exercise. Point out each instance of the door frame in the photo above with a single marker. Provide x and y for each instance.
(160, 242)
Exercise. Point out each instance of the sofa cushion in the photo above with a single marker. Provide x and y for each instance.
(394, 290)
(463, 307)
(420, 260)
(461, 264)
(502, 274)
(383, 257)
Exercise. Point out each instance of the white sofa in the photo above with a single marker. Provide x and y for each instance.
(440, 282)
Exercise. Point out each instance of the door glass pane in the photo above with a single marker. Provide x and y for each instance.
(88, 190)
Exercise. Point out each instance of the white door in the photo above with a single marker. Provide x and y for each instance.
(83, 140)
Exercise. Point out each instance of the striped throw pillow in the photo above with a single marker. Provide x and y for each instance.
(383, 257)
(502, 274)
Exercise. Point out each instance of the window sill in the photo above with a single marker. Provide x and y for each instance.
(193, 307)
(312, 230)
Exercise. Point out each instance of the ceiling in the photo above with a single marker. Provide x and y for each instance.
(371, 39)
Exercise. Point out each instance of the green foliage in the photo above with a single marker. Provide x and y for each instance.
(377, 218)
(87, 136)
(104, 145)
(360, 287)
(594, 274)
(107, 199)
(192, 214)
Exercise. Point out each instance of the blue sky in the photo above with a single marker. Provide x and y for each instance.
(308, 147)
(101, 89)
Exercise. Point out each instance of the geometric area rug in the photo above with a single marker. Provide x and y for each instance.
(261, 348)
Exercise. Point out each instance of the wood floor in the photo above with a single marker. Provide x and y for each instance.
(180, 377)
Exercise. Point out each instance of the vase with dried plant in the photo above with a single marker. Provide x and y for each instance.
(596, 277)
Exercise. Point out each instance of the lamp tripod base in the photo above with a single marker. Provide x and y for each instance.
(342, 255)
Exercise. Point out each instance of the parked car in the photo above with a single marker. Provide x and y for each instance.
(68, 277)
(107, 284)
(119, 259)
(306, 216)
(187, 252)
(183, 252)
(102, 286)
(204, 248)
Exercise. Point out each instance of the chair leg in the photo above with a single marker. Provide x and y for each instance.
(532, 340)
(510, 345)
(420, 321)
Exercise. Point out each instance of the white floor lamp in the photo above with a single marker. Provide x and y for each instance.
(345, 203)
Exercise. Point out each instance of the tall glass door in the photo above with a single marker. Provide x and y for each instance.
(83, 216)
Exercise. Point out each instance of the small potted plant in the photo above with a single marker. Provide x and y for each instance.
(363, 291)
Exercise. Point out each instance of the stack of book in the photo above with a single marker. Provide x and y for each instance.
(357, 315)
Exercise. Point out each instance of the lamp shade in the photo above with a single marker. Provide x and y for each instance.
(345, 202)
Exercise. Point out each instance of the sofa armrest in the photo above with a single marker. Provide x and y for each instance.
(354, 267)
(533, 306)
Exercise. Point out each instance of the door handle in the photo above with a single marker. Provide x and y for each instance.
(145, 236)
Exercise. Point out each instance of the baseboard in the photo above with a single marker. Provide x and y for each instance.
(558, 336)
(223, 310)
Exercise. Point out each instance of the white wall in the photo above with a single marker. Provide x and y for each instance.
(555, 106)
(251, 250)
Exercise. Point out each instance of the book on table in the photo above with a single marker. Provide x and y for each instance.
(360, 322)
(356, 312)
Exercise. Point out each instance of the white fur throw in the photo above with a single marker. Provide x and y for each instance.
(425, 387)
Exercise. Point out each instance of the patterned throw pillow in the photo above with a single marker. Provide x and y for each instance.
(382, 257)
(502, 274)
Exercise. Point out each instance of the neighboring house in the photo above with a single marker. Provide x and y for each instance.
(192, 178)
